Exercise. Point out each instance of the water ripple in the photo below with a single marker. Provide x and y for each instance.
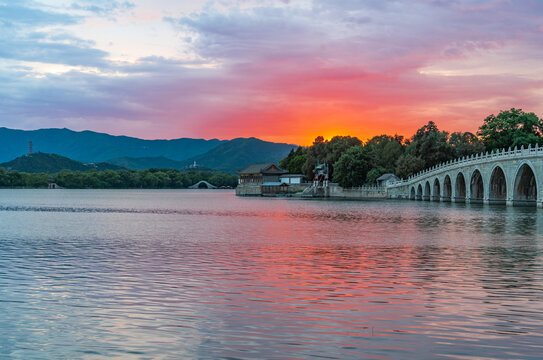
(113, 275)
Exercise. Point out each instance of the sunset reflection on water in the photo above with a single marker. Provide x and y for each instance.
(203, 274)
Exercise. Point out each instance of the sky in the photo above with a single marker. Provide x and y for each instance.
(279, 70)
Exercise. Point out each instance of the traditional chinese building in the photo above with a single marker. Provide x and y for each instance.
(262, 179)
(386, 179)
(260, 174)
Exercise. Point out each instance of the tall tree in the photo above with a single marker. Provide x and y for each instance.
(315, 153)
(511, 128)
(431, 145)
(408, 165)
(337, 147)
(327, 151)
(384, 150)
(294, 161)
(465, 144)
(352, 167)
(373, 175)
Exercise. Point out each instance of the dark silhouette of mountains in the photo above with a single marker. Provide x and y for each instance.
(137, 154)
(238, 153)
(142, 163)
(52, 163)
(89, 146)
(229, 156)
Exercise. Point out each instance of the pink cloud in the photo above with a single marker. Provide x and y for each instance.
(290, 73)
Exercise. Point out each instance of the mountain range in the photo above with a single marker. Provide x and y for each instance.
(137, 154)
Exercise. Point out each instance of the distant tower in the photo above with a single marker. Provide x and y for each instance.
(29, 147)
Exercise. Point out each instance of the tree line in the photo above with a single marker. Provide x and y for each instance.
(353, 162)
(116, 179)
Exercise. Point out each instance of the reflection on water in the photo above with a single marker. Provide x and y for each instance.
(203, 274)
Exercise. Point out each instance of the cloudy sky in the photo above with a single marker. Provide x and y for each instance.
(280, 70)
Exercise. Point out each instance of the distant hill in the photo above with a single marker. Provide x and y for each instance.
(139, 154)
(238, 153)
(89, 146)
(52, 163)
(158, 162)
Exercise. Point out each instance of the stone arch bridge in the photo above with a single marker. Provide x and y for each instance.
(510, 177)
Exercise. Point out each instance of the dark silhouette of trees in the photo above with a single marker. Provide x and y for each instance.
(116, 179)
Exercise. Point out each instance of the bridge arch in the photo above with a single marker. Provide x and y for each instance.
(477, 188)
(427, 192)
(525, 188)
(419, 192)
(460, 187)
(202, 185)
(497, 188)
(436, 190)
(413, 193)
(447, 188)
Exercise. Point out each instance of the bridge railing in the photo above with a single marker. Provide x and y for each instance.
(502, 154)
(366, 188)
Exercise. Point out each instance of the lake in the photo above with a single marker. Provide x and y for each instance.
(202, 274)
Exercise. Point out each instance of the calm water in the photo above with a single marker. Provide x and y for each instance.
(203, 274)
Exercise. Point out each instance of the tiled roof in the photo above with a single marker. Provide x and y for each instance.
(254, 168)
(385, 177)
(258, 168)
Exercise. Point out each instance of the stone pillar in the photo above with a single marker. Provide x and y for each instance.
(538, 167)
(510, 176)
(453, 187)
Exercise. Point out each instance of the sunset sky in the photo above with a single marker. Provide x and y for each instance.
(280, 70)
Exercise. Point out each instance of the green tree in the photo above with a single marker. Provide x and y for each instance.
(408, 165)
(431, 145)
(4, 180)
(296, 164)
(327, 151)
(511, 128)
(294, 161)
(149, 181)
(384, 151)
(15, 179)
(163, 180)
(219, 180)
(352, 167)
(36, 180)
(465, 144)
(374, 174)
(315, 153)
